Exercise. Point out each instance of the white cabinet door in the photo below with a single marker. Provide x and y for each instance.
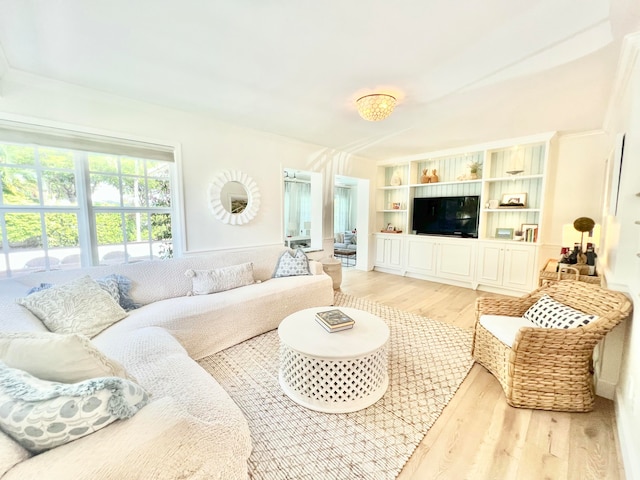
(380, 250)
(395, 252)
(456, 260)
(507, 264)
(519, 267)
(389, 251)
(421, 255)
(490, 264)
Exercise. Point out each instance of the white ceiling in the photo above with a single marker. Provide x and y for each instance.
(464, 71)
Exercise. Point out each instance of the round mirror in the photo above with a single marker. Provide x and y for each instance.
(234, 197)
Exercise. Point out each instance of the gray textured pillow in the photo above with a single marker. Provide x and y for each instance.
(56, 357)
(41, 415)
(80, 306)
(118, 286)
(291, 265)
(205, 282)
(548, 313)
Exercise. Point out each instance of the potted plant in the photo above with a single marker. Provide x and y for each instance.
(474, 168)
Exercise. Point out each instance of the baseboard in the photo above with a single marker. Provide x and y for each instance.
(605, 389)
(628, 444)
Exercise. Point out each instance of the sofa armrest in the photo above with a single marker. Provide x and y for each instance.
(315, 267)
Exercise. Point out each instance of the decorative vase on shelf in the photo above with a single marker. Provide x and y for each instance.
(425, 178)
(434, 176)
(396, 179)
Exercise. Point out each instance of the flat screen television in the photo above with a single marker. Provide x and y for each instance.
(453, 216)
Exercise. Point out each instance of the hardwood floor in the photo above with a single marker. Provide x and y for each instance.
(479, 436)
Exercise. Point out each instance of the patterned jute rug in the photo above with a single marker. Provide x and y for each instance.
(428, 360)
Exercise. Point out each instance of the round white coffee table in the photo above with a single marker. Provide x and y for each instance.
(334, 372)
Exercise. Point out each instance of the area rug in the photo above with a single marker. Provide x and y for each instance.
(428, 360)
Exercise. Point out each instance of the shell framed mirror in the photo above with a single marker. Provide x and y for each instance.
(234, 197)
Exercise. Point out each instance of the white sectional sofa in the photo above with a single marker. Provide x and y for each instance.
(191, 428)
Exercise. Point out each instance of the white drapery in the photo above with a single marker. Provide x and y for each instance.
(297, 207)
(342, 210)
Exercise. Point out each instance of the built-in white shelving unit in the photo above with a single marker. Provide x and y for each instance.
(510, 167)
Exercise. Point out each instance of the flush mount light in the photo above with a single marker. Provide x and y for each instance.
(375, 107)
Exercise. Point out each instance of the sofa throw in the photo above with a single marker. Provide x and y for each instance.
(204, 282)
(118, 286)
(79, 306)
(548, 313)
(67, 358)
(292, 264)
(41, 415)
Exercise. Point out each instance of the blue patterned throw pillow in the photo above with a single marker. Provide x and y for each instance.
(292, 265)
(41, 415)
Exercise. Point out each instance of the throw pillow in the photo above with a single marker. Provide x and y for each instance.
(118, 286)
(548, 313)
(67, 358)
(348, 237)
(80, 306)
(204, 282)
(291, 265)
(41, 415)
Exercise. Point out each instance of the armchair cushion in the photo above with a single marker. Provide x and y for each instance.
(548, 313)
(505, 328)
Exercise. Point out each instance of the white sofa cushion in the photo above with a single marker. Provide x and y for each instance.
(79, 306)
(67, 358)
(41, 415)
(11, 453)
(220, 279)
(505, 328)
(548, 313)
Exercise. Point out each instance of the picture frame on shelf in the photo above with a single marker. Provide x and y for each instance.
(504, 233)
(390, 228)
(513, 200)
(530, 232)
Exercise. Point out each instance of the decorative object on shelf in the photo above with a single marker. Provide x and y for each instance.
(396, 179)
(517, 236)
(425, 178)
(504, 233)
(395, 206)
(516, 162)
(493, 204)
(530, 232)
(474, 169)
(434, 176)
(390, 228)
(376, 107)
(514, 200)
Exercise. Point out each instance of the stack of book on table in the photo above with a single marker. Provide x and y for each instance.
(334, 320)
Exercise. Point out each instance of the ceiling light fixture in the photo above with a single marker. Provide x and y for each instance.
(375, 107)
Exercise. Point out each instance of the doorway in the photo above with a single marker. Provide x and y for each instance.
(350, 221)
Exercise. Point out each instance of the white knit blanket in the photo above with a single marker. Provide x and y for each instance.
(428, 360)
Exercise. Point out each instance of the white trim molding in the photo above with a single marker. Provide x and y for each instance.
(629, 55)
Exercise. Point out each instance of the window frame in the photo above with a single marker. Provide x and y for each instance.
(84, 209)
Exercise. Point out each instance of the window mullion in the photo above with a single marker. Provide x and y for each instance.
(88, 236)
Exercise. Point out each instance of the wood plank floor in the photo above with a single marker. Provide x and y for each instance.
(479, 436)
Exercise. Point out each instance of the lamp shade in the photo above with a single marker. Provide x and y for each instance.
(375, 107)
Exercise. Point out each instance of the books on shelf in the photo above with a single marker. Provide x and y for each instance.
(334, 320)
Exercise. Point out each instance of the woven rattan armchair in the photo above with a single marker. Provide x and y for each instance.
(549, 368)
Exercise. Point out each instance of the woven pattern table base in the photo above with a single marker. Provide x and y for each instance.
(336, 386)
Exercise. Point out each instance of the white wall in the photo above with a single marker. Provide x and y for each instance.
(622, 244)
(575, 186)
(206, 147)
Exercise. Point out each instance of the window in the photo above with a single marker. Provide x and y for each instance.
(66, 207)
